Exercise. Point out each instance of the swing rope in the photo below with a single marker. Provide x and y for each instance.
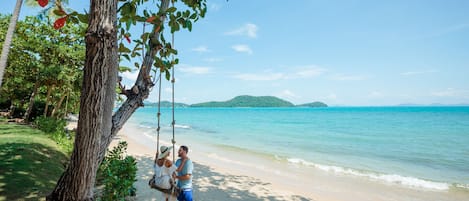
(172, 190)
(173, 80)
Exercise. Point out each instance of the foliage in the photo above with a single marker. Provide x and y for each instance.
(55, 128)
(30, 162)
(248, 101)
(50, 125)
(117, 173)
(47, 60)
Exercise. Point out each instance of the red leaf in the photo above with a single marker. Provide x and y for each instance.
(150, 19)
(43, 3)
(127, 38)
(59, 23)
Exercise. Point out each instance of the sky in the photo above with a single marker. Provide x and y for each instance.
(340, 52)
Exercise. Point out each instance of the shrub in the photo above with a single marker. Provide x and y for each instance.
(56, 130)
(118, 174)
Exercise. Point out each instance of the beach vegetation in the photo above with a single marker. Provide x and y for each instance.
(117, 173)
(56, 129)
(44, 69)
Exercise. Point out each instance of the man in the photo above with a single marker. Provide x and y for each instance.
(184, 174)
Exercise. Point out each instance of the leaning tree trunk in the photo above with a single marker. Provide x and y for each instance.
(134, 97)
(59, 105)
(8, 38)
(31, 102)
(78, 180)
(48, 98)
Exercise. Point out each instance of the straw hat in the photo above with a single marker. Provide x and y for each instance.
(164, 151)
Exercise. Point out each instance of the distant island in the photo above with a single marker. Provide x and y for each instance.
(242, 101)
(165, 104)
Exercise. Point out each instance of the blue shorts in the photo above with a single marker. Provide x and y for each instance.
(185, 195)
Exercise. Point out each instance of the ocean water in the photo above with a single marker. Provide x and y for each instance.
(417, 147)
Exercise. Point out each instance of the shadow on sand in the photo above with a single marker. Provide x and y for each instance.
(210, 185)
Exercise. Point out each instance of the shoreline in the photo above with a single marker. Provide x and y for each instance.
(230, 175)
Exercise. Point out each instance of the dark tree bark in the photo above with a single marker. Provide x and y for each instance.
(134, 97)
(100, 72)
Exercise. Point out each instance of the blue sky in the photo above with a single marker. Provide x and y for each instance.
(348, 52)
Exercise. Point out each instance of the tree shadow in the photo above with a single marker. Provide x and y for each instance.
(211, 185)
(29, 171)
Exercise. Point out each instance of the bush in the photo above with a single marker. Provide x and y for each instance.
(56, 130)
(50, 125)
(118, 174)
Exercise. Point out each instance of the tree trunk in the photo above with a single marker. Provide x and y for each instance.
(78, 180)
(59, 104)
(134, 101)
(49, 91)
(8, 39)
(31, 102)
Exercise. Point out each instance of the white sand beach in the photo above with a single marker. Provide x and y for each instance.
(231, 176)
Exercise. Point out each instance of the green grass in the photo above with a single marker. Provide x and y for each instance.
(30, 163)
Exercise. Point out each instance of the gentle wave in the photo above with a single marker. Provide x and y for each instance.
(182, 126)
(389, 178)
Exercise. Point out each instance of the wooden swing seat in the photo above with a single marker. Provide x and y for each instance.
(174, 190)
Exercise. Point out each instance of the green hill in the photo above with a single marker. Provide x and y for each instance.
(248, 101)
(165, 104)
(313, 104)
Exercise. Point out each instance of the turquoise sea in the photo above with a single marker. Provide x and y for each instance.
(417, 147)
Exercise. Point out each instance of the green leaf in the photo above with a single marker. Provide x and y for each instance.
(189, 25)
(123, 49)
(83, 18)
(124, 69)
(167, 74)
(193, 16)
(171, 9)
(126, 56)
(59, 13)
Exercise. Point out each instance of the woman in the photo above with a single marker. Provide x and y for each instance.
(163, 168)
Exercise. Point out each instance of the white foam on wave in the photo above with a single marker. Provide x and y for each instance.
(389, 178)
(182, 126)
(144, 126)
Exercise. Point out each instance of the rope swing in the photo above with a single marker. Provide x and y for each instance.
(173, 190)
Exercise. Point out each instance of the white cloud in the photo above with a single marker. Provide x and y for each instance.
(287, 94)
(248, 29)
(132, 76)
(260, 77)
(411, 73)
(348, 77)
(194, 69)
(242, 48)
(308, 71)
(214, 7)
(450, 92)
(301, 72)
(201, 49)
